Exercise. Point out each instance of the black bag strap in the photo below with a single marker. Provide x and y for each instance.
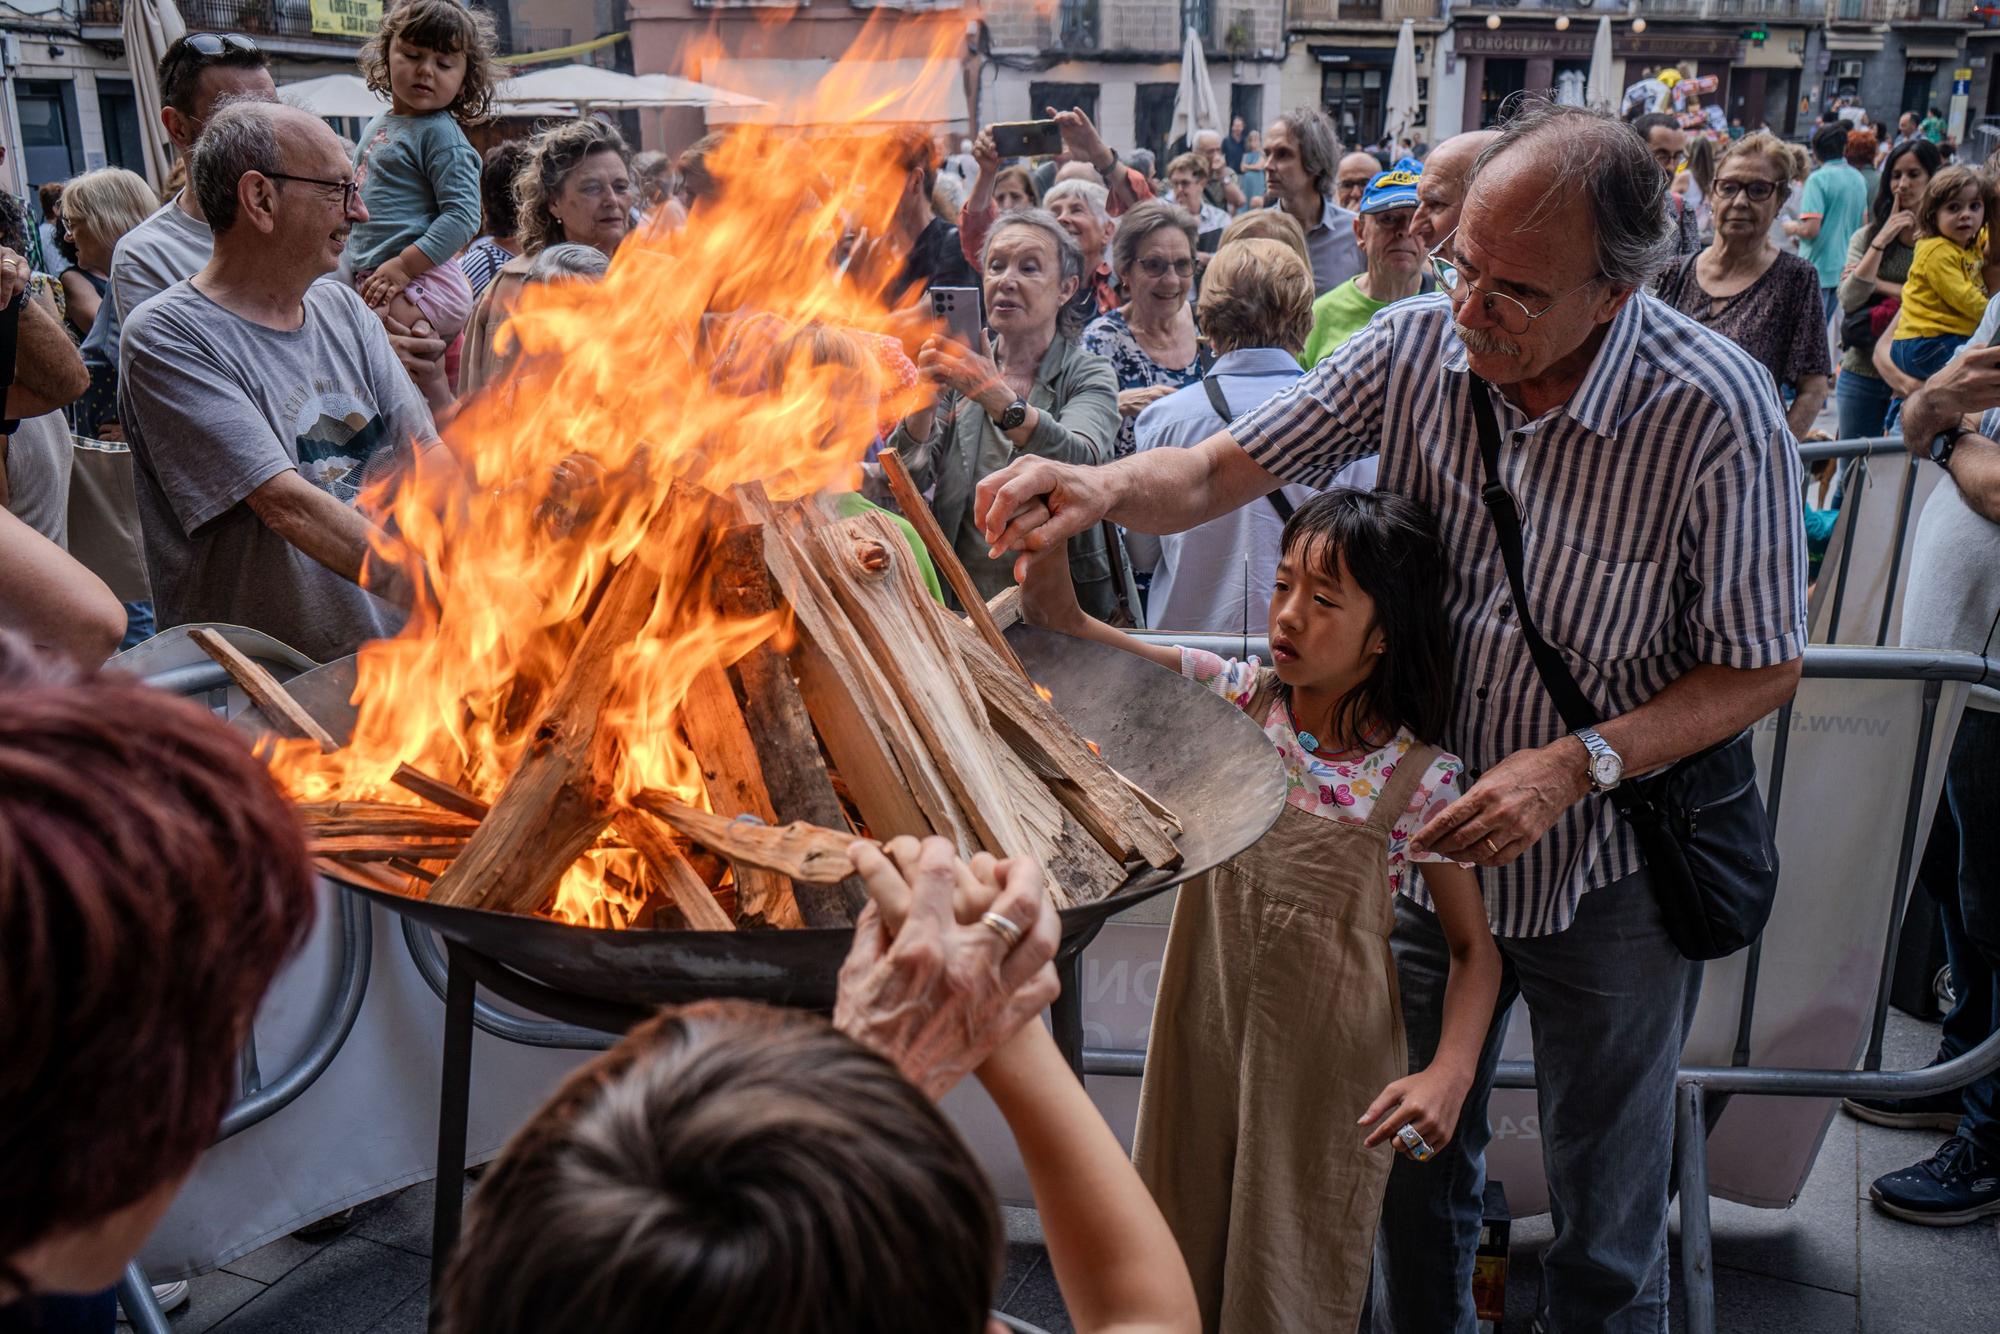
(1221, 406)
(10, 333)
(1571, 702)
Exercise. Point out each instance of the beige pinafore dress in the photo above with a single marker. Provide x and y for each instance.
(1277, 1023)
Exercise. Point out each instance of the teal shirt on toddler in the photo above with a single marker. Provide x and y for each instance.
(419, 178)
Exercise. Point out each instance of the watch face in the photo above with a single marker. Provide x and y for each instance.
(1606, 769)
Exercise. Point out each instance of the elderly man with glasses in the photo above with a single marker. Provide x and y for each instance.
(1664, 561)
(1385, 227)
(260, 402)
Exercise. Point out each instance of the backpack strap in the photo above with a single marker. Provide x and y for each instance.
(1278, 500)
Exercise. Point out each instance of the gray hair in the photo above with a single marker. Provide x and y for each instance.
(1589, 152)
(1095, 196)
(1140, 222)
(568, 259)
(1318, 146)
(239, 138)
(1142, 161)
(1069, 256)
(1213, 136)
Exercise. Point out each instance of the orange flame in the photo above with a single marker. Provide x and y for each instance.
(738, 349)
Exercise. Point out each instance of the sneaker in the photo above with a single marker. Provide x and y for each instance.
(1957, 1184)
(1936, 1111)
(168, 1296)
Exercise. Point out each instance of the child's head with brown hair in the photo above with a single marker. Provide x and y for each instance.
(1954, 205)
(729, 1167)
(434, 55)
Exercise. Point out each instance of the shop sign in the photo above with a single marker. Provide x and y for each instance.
(346, 18)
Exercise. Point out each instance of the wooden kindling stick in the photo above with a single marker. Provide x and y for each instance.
(802, 851)
(286, 715)
(914, 508)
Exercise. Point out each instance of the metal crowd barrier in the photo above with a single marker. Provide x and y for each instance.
(1855, 456)
(1696, 1085)
(259, 1100)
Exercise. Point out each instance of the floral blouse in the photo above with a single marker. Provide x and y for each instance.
(1109, 336)
(1340, 789)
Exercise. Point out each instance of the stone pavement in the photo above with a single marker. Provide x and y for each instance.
(1829, 1264)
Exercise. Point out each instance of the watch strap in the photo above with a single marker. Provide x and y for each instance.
(1942, 445)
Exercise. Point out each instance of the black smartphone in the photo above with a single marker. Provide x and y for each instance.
(1027, 138)
(960, 309)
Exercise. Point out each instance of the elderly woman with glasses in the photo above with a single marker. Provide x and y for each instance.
(1150, 340)
(1742, 286)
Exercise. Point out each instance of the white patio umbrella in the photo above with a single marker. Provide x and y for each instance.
(1600, 91)
(1399, 115)
(335, 95)
(577, 85)
(151, 26)
(674, 91)
(1195, 107)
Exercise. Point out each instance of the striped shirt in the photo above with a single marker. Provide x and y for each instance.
(1661, 525)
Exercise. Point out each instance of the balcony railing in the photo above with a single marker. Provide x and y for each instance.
(1363, 11)
(1902, 11)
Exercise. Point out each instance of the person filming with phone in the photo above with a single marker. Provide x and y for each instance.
(1027, 389)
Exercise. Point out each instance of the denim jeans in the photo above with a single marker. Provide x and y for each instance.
(1829, 305)
(93, 1314)
(1609, 999)
(1921, 358)
(1961, 870)
(1863, 403)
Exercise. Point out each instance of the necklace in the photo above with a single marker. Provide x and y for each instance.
(1306, 739)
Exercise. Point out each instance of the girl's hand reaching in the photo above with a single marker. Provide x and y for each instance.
(1430, 1100)
(1048, 593)
(385, 284)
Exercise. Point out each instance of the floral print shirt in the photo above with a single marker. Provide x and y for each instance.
(1341, 789)
(1110, 337)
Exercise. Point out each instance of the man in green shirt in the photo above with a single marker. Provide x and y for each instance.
(1933, 127)
(1831, 208)
(1394, 256)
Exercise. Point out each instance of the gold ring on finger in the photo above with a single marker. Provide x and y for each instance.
(1005, 928)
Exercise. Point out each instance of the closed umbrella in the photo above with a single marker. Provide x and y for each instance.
(151, 26)
(1400, 114)
(1598, 92)
(1194, 103)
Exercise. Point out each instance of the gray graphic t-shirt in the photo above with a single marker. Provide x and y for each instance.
(214, 406)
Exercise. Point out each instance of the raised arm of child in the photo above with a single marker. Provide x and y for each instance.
(1432, 1098)
(1048, 598)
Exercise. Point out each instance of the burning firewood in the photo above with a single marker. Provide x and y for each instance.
(802, 851)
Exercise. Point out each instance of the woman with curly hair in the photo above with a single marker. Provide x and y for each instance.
(418, 173)
(576, 187)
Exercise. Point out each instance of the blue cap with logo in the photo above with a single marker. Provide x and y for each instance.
(1394, 188)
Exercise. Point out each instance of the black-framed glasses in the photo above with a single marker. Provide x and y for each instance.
(1755, 191)
(1508, 312)
(350, 190)
(215, 43)
(1155, 267)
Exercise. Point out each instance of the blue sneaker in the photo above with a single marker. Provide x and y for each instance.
(1957, 1184)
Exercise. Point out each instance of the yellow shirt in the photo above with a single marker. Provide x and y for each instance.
(1945, 292)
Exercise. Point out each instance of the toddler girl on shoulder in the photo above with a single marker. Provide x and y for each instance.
(1944, 295)
(1277, 1078)
(419, 175)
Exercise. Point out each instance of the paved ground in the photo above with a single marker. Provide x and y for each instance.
(1830, 1263)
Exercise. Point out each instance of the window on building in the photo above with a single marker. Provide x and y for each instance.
(1199, 15)
(1918, 76)
(118, 109)
(1352, 95)
(1063, 96)
(1247, 100)
(50, 139)
(1076, 25)
(1503, 79)
(1153, 120)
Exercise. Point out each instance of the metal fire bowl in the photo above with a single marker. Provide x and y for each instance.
(1194, 750)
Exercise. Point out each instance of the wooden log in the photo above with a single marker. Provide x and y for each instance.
(780, 727)
(734, 776)
(1089, 788)
(558, 798)
(802, 851)
(870, 571)
(381, 819)
(285, 715)
(911, 501)
(367, 848)
(1004, 607)
(438, 792)
(896, 785)
(671, 873)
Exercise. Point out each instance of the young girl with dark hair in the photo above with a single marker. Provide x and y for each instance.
(1277, 1078)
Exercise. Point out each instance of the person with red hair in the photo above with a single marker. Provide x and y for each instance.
(153, 878)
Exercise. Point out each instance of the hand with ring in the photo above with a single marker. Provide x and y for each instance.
(13, 276)
(1417, 1113)
(950, 959)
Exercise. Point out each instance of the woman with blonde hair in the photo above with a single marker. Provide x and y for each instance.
(97, 208)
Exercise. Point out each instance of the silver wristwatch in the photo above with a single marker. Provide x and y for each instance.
(1607, 766)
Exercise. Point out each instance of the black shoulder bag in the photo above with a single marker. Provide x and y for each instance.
(1701, 821)
(1278, 499)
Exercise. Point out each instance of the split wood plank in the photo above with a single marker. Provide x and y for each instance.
(381, 820)
(881, 758)
(1094, 792)
(918, 511)
(805, 852)
(366, 848)
(734, 776)
(1004, 607)
(558, 798)
(438, 792)
(795, 775)
(868, 565)
(671, 873)
(285, 715)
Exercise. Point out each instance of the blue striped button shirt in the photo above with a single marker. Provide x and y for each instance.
(1661, 524)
